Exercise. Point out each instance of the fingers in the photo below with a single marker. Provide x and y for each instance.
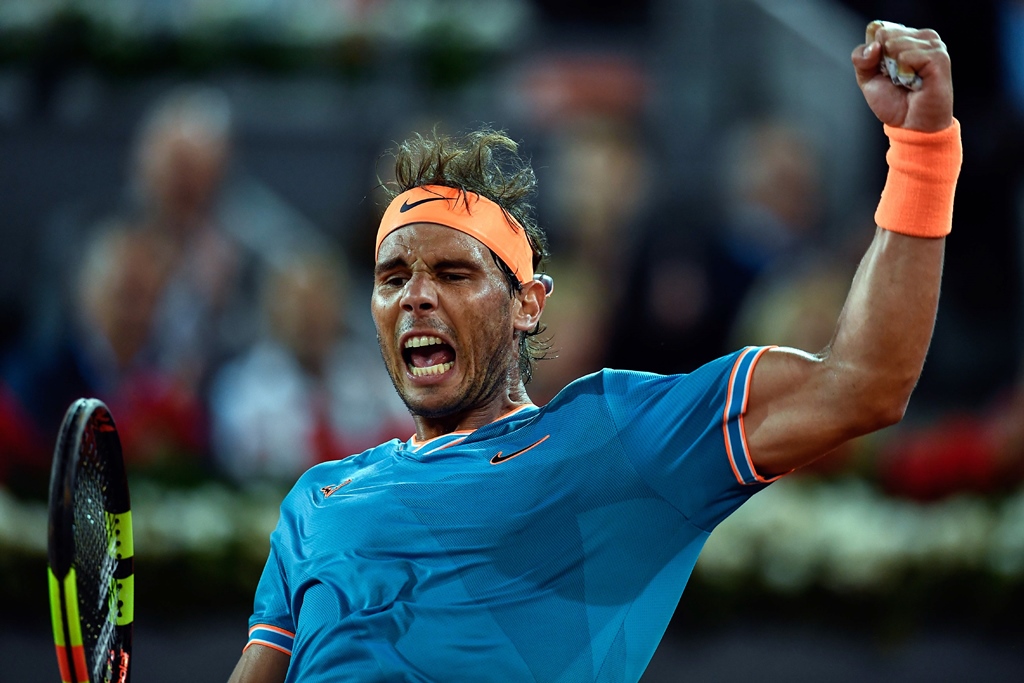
(905, 51)
(871, 31)
(900, 71)
(911, 53)
(866, 60)
(905, 76)
(880, 31)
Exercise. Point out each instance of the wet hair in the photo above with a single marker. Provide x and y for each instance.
(486, 162)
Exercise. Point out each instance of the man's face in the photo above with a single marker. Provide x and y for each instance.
(444, 320)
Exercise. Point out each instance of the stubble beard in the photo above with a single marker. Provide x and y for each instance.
(496, 381)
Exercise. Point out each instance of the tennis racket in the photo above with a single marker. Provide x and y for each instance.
(90, 549)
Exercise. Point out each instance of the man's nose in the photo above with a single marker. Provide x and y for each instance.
(420, 294)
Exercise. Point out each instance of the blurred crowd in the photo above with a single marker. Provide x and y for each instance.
(229, 336)
(223, 346)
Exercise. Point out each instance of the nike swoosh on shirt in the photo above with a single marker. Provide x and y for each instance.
(499, 458)
(406, 205)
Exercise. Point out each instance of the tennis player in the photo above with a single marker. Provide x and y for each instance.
(511, 542)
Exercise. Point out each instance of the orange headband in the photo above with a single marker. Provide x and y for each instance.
(471, 213)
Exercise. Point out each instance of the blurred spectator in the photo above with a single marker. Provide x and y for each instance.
(222, 225)
(180, 160)
(772, 202)
(695, 271)
(167, 291)
(796, 307)
(310, 390)
(103, 351)
(600, 190)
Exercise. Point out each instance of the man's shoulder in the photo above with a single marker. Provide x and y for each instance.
(603, 382)
(613, 384)
(329, 473)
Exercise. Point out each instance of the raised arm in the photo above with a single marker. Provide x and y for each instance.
(803, 405)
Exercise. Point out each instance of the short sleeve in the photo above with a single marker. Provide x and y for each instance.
(684, 434)
(271, 623)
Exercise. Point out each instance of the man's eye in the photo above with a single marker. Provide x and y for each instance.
(394, 281)
(453, 277)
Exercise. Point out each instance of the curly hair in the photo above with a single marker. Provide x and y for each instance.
(486, 162)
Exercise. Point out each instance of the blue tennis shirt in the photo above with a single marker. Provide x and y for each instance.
(550, 545)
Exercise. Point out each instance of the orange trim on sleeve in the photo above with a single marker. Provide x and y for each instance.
(275, 629)
(743, 429)
(746, 384)
(725, 420)
(738, 437)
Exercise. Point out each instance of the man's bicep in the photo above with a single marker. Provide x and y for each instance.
(260, 664)
(792, 410)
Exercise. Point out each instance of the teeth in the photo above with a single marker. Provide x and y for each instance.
(414, 342)
(431, 369)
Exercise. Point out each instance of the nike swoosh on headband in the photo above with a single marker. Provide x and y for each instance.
(406, 205)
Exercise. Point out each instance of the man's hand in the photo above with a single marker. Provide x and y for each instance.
(928, 109)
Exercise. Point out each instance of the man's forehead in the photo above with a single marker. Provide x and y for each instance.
(430, 240)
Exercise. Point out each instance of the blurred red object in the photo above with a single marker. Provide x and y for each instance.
(21, 445)
(961, 454)
(159, 420)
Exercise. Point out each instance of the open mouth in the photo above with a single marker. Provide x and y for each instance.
(426, 355)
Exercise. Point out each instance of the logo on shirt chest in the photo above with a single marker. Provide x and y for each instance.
(500, 458)
(328, 491)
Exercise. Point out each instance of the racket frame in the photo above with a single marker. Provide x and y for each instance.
(72, 659)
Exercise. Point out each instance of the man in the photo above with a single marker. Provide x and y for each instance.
(508, 542)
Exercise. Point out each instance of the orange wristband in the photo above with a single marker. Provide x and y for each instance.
(923, 167)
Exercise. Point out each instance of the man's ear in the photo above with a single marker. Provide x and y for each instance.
(531, 299)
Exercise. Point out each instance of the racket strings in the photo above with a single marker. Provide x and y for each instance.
(94, 562)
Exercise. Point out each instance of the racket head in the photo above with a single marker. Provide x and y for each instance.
(90, 548)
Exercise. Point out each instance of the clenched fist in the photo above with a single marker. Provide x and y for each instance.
(915, 89)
